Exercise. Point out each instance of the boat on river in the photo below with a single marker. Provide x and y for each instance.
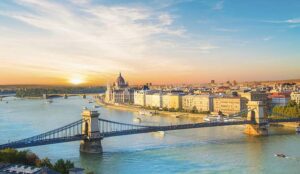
(298, 129)
(49, 101)
(146, 113)
(213, 118)
(159, 134)
(280, 155)
(162, 133)
(96, 106)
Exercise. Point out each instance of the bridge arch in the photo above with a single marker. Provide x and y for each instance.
(252, 115)
(256, 115)
(256, 111)
(86, 128)
(92, 140)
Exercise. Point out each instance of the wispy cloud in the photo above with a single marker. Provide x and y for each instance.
(267, 38)
(226, 30)
(207, 48)
(219, 5)
(288, 21)
(103, 38)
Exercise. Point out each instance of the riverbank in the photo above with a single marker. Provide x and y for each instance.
(287, 125)
(132, 108)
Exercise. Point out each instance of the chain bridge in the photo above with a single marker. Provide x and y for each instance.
(91, 129)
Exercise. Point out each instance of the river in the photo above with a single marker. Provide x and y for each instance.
(204, 150)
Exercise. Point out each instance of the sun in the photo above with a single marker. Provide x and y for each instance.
(76, 81)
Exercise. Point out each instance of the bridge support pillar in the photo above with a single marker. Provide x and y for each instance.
(90, 129)
(91, 146)
(256, 130)
(257, 116)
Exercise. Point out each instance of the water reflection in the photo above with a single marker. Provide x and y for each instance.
(204, 150)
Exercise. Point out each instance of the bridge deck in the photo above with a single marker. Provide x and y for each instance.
(72, 132)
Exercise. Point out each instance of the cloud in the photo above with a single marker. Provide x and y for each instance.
(267, 38)
(207, 48)
(288, 21)
(219, 5)
(293, 21)
(226, 30)
(165, 19)
(84, 37)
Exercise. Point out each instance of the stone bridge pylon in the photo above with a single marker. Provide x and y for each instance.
(90, 129)
(257, 115)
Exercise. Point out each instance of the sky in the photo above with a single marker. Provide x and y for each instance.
(158, 41)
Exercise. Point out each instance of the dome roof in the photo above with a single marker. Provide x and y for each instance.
(120, 80)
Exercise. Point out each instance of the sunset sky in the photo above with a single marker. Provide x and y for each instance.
(158, 41)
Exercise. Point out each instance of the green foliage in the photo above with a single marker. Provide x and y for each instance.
(45, 163)
(38, 92)
(62, 166)
(290, 110)
(165, 109)
(28, 158)
(194, 110)
(18, 157)
(172, 110)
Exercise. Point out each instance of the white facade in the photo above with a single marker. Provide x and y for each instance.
(279, 101)
(140, 97)
(154, 100)
(172, 101)
(296, 97)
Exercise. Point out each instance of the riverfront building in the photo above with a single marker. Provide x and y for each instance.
(119, 92)
(172, 101)
(24, 169)
(229, 105)
(140, 97)
(279, 98)
(296, 97)
(154, 100)
(200, 103)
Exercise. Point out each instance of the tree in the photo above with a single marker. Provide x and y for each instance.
(20, 157)
(194, 110)
(45, 163)
(292, 103)
(62, 166)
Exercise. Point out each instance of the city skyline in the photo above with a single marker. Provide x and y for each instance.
(175, 41)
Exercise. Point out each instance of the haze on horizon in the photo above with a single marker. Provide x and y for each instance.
(171, 41)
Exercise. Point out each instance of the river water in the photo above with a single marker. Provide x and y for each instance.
(204, 150)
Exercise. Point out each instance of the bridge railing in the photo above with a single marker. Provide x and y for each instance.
(72, 130)
(108, 126)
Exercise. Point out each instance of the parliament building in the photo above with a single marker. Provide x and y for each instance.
(119, 92)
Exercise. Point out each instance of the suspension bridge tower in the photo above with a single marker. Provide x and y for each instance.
(257, 115)
(91, 132)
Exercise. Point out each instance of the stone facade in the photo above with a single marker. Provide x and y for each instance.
(119, 92)
(229, 105)
(296, 97)
(172, 101)
(199, 102)
(154, 100)
(140, 97)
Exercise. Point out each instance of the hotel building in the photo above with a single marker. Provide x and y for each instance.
(229, 105)
(172, 101)
(199, 102)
